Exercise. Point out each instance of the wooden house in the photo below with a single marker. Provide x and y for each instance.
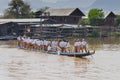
(16, 26)
(110, 19)
(64, 15)
(8, 28)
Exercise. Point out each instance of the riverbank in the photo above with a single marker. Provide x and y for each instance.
(8, 37)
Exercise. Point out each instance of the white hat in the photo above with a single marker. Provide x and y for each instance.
(83, 39)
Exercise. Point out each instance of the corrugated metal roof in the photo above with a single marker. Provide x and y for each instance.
(86, 15)
(117, 13)
(60, 12)
(20, 20)
(106, 13)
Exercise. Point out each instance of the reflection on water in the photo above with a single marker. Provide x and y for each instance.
(8, 44)
(17, 64)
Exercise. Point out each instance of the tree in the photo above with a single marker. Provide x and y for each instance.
(17, 9)
(83, 22)
(117, 21)
(96, 17)
(41, 11)
(44, 9)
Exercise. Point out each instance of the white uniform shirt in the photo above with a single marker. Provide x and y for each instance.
(78, 43)
(49, 48)
(23, 39)
(44, 42)
(41, 42)
(18, 38)
(38, 42)
(84, 43)
(27, 40)
(34, 41)
(53, 44)
(63, 44)
(68, 44)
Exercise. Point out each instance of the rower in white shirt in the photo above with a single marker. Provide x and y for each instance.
(49, 48)
(19, 39)
(79, 46)
(41, 44)
(38, 44)
(84, 44)
(34, 43)
(68, 46)
(76, 45)
(63, 45)
(45, 44)
(54, 45)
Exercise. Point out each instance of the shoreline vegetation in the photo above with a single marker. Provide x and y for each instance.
(89, 35)
(94, 33)
(101, 24)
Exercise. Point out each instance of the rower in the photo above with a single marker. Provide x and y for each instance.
(41, 45)
(79, 46)
(34, 43)
(54, 44)
(27, 42)
(24, 39)
(46, 44)
(19, 39)
(63, 45)
(76, 46)
(84, 43)
(68, 46)
(38, 44)
(49, 48)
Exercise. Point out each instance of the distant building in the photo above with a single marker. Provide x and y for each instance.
(16, 26)
(8, 28)
(64, 15)
(110, 19)
(54, 23)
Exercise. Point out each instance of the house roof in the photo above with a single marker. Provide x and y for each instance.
(21, 20)
(108, 14)
(117, 13)
(61, 11)
(34, 20)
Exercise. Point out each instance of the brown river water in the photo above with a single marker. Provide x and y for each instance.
(18, 64)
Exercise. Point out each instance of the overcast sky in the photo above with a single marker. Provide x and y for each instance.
(84, 5)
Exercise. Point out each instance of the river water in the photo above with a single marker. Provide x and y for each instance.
(18, 64)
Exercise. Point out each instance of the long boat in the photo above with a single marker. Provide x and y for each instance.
(72, 54)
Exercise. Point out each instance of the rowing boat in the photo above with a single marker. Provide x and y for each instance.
(72, 54)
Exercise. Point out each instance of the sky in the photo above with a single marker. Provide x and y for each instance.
(84, 5)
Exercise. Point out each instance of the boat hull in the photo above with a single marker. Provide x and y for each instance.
(73, 54)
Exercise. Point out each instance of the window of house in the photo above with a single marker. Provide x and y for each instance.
(61, 18)
(64, 19)
(52, 17)
(75, 18)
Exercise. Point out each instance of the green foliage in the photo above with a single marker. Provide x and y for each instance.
(96, 21)
(95, 33)
(83, 22)
(117, 21)
(115, 33)
(96, 17)
(17, 9)
(44, 9)
(96, 13)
